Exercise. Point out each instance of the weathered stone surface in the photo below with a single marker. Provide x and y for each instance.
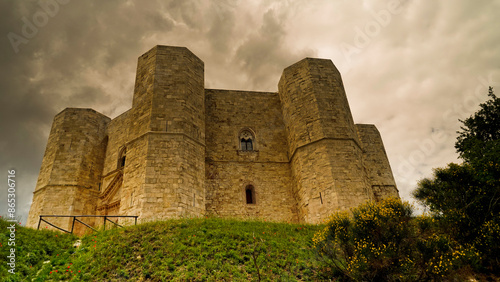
(325, 153)
(376, 163)
(186, 151)
(69, 178)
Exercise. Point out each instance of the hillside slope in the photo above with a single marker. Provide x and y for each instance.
(174, 250)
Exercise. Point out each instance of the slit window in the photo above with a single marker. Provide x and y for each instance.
(250, 194)
(122, 158)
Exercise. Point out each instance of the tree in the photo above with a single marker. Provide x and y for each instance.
(466, 197)
(478, 142)
(458, 198)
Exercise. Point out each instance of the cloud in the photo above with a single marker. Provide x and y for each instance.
(421, 70)
(264, 54)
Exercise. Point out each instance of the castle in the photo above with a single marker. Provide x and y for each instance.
(185, 151)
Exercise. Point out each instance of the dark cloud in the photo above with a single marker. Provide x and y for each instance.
(264, 54)
(421, 68)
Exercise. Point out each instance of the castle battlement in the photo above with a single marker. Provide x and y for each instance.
(186, 151)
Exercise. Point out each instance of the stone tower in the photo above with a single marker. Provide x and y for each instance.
(326, 156)
(185, 151)
(71, 167)
(165, 152)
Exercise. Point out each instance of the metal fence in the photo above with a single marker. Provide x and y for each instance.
(75, 219)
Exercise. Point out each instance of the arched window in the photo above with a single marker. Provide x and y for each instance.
(246, 145)
(246, 140)
(122, 157)
(250, 194)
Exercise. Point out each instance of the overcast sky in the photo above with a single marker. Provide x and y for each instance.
(412, 68)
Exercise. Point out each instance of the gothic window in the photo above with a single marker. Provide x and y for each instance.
(122, 158)
(250, 194)
(246, 140)
(246, 145)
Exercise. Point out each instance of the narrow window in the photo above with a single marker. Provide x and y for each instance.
(246, 140)
(250, 194)
(122, 157)
(249, 145)
(243, 144)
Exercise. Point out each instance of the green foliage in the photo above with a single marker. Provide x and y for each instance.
(35, 251)
(466, 197)
(480, 134)
(478, 144)
(384, 242)
(457, 197)
(174, 250)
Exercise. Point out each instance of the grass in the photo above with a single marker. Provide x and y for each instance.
(174, 250)
(37, 252)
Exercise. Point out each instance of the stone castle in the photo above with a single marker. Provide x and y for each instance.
(185, 151)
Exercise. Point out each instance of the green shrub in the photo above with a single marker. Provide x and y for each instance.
(465, 197)
(384, 242)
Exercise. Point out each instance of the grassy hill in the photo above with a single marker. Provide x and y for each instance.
(174, 250)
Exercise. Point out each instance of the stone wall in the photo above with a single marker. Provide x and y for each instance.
(164, 172)
(73, 163)
(229, 170)
(117, 132)
(63, 200)
(112, 177)
(134, 175)
(326, 156)
(174, 183)
(376, 162)
(76, 148)
(228, 112)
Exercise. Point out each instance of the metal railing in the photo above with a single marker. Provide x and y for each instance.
(75, 219)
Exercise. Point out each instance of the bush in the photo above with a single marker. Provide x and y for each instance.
(384, 242)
